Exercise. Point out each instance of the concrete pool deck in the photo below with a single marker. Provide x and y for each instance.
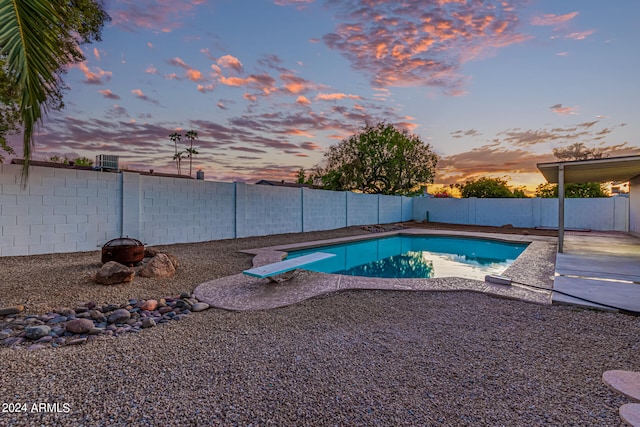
(600, 267)
(535, 266)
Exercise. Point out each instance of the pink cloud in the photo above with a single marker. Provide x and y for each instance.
(158, 16)
(96, 53)
(250, 97)
(335, 96)
(94, 78)
(295, 85)
(300, 4)
(179, 62)
(108, 94)
(262, 82)
(551, 19)
(191, 73)
(302, 100)
(421, 42)
(236, 81)
(140, 95)
(228, 61)
(562, 110)
(194, 75)
(311, 146)
(206, 88)
(580, 35)
(151, 70)
(298, 132)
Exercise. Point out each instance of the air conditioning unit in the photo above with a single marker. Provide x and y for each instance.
(104, 161)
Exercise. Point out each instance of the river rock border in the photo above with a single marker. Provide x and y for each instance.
(89, 321)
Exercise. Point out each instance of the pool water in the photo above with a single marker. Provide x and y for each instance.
(407, 257)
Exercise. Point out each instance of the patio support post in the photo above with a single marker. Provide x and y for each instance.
(560, 208)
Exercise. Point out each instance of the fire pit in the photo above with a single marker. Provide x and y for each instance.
(124, 250)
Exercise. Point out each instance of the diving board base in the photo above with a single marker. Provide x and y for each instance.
(276, 272)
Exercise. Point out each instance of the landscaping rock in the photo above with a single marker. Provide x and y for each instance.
(36, 347)
(79, 326)
(199, 306)
(149, 305)
(7, 311)
(160, 266)
(113, 272)
(76, 341)
(174, 260)
(36, 332)
(148, 322)
(150, 252)
(119, 316)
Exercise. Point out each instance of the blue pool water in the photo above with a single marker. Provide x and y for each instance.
(417, 257)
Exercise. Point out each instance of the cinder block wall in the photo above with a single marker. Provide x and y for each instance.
(180, 210)
(324, 210)
(66, 210)
(60, 210)
(607, 213)
(362, 209)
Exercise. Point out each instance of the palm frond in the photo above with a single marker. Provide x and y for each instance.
(29, 39)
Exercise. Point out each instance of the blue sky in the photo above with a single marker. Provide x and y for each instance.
(492, 85)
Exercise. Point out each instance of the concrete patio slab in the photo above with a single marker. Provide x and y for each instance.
(625, 268)
(601, 267)
(603, 295)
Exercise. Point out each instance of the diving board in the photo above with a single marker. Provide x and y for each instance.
(270, 270)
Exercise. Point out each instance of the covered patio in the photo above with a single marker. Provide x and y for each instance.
(601, 269)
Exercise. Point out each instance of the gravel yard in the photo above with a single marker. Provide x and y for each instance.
(351, 358)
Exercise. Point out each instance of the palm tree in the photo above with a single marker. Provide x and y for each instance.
(28, 37)
(38, 38)
(175, 138)
(178, 158)
(191, 135)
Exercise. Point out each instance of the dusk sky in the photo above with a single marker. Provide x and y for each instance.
(268, 85)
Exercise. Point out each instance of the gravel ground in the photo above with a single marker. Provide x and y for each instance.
(351, 358)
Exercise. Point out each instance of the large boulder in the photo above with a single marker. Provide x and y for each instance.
(174, 260)
(160, 266)
(113, 272)
(150, 252)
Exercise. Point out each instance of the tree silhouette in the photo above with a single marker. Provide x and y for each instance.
(177, 157)
(191, 135)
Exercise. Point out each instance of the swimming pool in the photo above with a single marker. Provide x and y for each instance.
(417, 257)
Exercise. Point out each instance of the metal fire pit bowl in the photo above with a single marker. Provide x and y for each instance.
(124, 250)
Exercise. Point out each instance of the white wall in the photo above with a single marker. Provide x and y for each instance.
(634, 206)
(362, 209)
(180, 210)
(609, 213)
(60, 210)
(324, 210)
(67, 210)
(264, 210)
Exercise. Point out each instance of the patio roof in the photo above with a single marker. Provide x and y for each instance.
(580, 171)
(597, 170)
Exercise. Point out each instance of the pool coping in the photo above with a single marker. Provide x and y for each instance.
(240, 292)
